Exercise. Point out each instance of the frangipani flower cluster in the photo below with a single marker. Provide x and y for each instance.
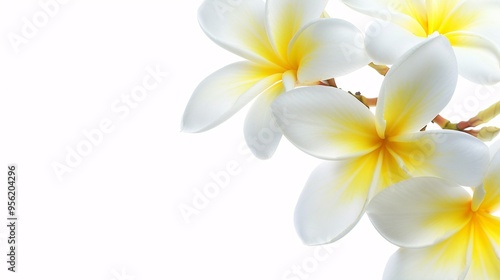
(471, 26)
(372, 152)
(444, 232)
(382, 161)
(286, 44)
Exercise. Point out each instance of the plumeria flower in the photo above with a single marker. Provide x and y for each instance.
(471, 26)
(286, 43)
(445, 233)
(371, 152)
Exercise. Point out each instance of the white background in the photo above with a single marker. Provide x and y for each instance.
(116, 214)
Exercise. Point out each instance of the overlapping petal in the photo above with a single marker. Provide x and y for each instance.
(446, 260)
(410, 14)
(224, 92)
(474, 22)
(285, 18)
(327, 48)
(388, 42)
(326, 122)
(239, 27)
(420, 211)
(485, 262)
(491, 202)
(262, 133)
(452, 155)
(417, 88)
(484, 25)
(334, 198)
(470, 49)
(488, 224)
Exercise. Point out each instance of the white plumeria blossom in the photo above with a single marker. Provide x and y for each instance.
(471, 26)
(443, 231)
(286, 43)
(371, 152)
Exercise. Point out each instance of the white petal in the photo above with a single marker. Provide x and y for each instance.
(491, 185)
(387, 42)
(224, 92)
(334, 198)
(239, 27)
(326, 122)
(477, 16)
(446, 261)
(420, 211)
(478, 58)
(452, 155)
(488, 21)
(411, 14)
(417, 87)
(262, 133)
(327, 48)
(286, 17)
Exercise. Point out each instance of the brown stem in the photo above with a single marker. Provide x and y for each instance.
(371, 102)
(442, 122)
(331, 82)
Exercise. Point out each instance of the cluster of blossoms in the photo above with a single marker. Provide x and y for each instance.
(411, 182)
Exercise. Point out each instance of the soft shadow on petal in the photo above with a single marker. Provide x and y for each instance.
(334, 198)
(417, 87)
(452, 155)
(262, 133)
(420, 211)
(327, 48)
(225, 92)
(326, 122)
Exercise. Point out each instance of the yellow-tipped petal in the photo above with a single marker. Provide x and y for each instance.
(326, 122)
(417, 88)
(445, 260)
(285, 18)
(225, 92)
(334, 198)
(452, 155)
(326, 49)
(420, 211)
(239, 27)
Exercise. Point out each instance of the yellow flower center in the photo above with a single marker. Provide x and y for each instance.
(445, 17)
